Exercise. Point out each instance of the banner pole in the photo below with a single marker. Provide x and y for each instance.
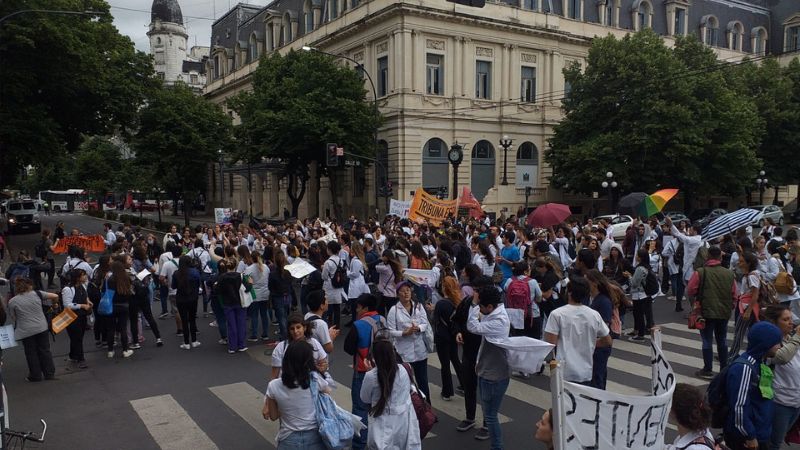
(557, 391)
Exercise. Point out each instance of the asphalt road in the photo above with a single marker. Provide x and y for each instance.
(168, 398)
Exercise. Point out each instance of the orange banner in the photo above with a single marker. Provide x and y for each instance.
(427, 207)
(91, 244)
(468, 201)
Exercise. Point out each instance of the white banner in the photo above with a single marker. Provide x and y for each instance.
(300, 268)
(399, 208)
(585, 417)
(421, 277)
(222, 215)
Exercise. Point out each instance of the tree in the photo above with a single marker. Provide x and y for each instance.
(178, 137)
(300, 102)
(98, 164)
(63, 77)
(653, 116)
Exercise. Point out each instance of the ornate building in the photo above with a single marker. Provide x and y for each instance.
(447, 73)
(168, 46)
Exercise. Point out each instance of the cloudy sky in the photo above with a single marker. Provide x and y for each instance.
(133, 16)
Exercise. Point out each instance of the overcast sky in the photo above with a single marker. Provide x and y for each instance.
(132, 17)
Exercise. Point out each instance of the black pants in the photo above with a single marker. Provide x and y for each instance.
(76, 330)
(51, 272)
(469, 381)
(385, 304)
(335, 315)
(735, 442)
(143, 306)
(643, 315)
(448, 353)
(188, 313)
(100, 324)
(117, 322)
(37, 353)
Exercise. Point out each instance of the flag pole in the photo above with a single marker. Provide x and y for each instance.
(557, 390)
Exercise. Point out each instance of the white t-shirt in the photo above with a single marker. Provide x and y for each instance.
(578, 327)
(168, 269)
(280, 349)
(296, 406)
(320, 331)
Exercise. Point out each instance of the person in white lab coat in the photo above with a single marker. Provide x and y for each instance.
(393, 423)
(355, 272)
(407, 322)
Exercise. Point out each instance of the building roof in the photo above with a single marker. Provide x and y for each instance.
(166, 11)
(193, 66)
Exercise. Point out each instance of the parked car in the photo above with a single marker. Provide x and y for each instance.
(767, 212)
(144, 206)
(677, 216)
(22, 215)
(619, 222)
(708, 218)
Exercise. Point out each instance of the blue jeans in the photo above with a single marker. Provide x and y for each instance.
(492, 393)
(715, 328)
(360, 409)
(782, 419)
(280, 305)
(302, 440)
(600, 367)
(253, 311)
(219, 314)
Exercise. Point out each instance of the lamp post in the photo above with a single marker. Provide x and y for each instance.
(378, 181)
(221, 179)
(455, 155)
(610, 184)
(505, 142)
(762, 186)
(528, 191)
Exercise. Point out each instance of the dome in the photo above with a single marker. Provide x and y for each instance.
(166, 11)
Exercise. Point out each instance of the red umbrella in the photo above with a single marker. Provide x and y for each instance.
(548, 215)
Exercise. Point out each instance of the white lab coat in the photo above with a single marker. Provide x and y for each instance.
(691, 245)
(397, 428)
(412, 347)
(355, 272)
(335, 296)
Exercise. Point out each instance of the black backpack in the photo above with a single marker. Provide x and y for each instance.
(40, 250)
(677, 257)
(651, 284)
(717, 395)
(339, 278)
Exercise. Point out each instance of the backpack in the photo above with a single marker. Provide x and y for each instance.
(571, 251)
(446, 272)
(767, 295)
(19, 271)
(339, 277)
(784, 283)
(518, 295)
(704, 440)
(651, 284)
(677, 257)
(717, 394)
(40, 250)
(378, 327)
(334, 424)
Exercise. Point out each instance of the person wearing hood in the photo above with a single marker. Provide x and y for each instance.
(749, 389)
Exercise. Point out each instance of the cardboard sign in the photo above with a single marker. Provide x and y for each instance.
(427, 207)
(399, 208)
(605, 420)
(90, 243)
(222, 215)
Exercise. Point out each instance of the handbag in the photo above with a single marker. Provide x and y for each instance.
(106, 305)
(695, 320)
(62, 320)
(334, 424)
(244, 297)
(425, 415)
(427, 339)
(7, 339)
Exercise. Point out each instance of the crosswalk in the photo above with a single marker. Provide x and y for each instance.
(172, 427)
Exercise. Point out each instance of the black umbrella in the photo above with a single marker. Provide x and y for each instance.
(631, 203)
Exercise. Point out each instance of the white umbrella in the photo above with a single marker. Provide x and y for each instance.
(729, 223)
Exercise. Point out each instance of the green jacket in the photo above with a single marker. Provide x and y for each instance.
(716, 297)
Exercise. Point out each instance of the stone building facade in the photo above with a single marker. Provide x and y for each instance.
(446, 73)
(168, 45)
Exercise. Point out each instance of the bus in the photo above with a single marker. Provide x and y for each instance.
(64, 201)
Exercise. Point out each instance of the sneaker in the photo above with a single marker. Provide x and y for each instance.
(223, 341)
(243, 349)
(704, 374)
(135, 346)
(630, 333)
(127, 353)
(637, 338)
(465, 425)
(163, 316)
(33, 380)
(110, 354)
(195, 344)
(83, 365)
(482, 434)
(179, 334)
(446, 398)
(264, 338)
(522, 375)
(185, 346)
(213, 324)
(98, 344)
(231, 351)
(460, 391)
(252, 339)
(159, 342)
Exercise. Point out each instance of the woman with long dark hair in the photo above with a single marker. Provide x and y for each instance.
(186, 282)
(122, 284)
(786, 381)
(387, 389)
(75, 297)
(289, 399)
(390, 272)
(407, 322)
(101, 272)
(280, 290)
(600, 294)
(142, 301)
(300, 330)
(227, 287)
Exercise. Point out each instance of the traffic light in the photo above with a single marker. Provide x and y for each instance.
(331, 155)
(473, 3)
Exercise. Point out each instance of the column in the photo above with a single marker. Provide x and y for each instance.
(466, 51)
(453, 65)
(513, 88)
(415, 58)
(393, 62)
(408, 61)
(502, 71)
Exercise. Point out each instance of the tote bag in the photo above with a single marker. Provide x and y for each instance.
(106, 305)
(244, 297)
(7, 337)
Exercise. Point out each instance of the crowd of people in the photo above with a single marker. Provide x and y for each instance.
(570, 285)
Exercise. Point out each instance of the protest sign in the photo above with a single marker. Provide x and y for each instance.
(420, 277)
(399, 208)
(222, 215)
(89, 243)
(299, 268)
(427, 207)
(585, 417)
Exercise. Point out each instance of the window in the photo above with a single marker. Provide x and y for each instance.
(483, 79)
(528, 4)
(287, 29)
(217, 67)
(359, 181)
(643, 16)
(759, 40)
(193, 78)
(434, 148)
(435, 74)
(608, 13)
(736, 32)
(527, 165)
(158, 41)
(308, 19)
(334, 9)
(528, 93)
(383, 76)
(709, 26)
(793, 38)
(160, 75)
(574, 9)
(680, 21)
(159, 57)
(252, 46)
(353, 4)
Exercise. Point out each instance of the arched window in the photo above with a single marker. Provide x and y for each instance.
(483, 167)
(735, 35)
(642, 11)
(709, 26)
(609, 13)
(435, 169)
(758, 40)
(287, 29)
(308, 17)
(158, 41)
(527, 165)
(252, 47)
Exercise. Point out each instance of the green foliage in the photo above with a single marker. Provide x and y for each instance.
(300, 102)
(62, 77)
(98, 164)
(654, 116)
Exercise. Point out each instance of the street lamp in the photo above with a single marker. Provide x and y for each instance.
(528, 191)
(762, 186)
(505, 142)
(455, 155)
(610, 184)
(221, 179)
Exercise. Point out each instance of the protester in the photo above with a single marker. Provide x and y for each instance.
(748, 309)
(75, 297)
(121, 283)
(31, 327)
(319, 328)
(227, 287)
(334, 295)
(144, 295)
(691, 414)
(523, 293)
(544, 429)
(445, 335)
(642, 303)
(185, 282)
(407, 323)
(389, 274)
(674, 266)
(281, 291)
(299, 330)
(601, 294)
(786, 382)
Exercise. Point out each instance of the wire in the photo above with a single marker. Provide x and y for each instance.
(148, 12)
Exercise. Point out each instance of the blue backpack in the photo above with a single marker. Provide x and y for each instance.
(335, 425)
